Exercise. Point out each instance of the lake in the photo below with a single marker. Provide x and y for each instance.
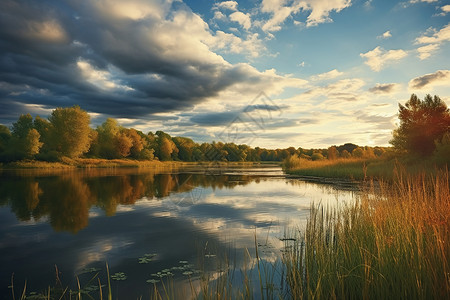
(148, 224)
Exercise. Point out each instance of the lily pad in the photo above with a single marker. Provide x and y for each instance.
(119, 276)
(152, 281)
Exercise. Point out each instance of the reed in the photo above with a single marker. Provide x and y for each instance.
(393, 243)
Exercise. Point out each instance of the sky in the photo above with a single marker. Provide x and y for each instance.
(270, 73)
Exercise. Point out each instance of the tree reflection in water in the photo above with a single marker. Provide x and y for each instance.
(66, 198)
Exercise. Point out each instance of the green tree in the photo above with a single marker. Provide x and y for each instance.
(5, 136)
(70, 132)
(43, 126)
(22, 126)
(107, 133)
(422, 123)
(25, 141)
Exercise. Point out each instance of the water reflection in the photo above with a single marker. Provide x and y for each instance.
(65, 199)
(119, 215)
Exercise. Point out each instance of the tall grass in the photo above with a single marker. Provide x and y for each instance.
(393, 243)
(360, 168)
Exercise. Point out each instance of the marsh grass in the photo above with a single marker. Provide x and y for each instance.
(361, 168)
(393, 243)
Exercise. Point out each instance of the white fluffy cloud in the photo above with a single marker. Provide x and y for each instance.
(432, 41)
(445, 9)
(230, 5)
(320, 11)
(243, 19)
(440, 36)
(377, 58)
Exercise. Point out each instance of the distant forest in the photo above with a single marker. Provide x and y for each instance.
(67, 133)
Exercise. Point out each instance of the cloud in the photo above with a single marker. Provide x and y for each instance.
(124, 59)
(347, 90)
(385, 35)
(445, 10)
(440, 36)
(319, 11)
(229, 5)
(378, 57)
(428, 81)
(328, 75)
(243, 19)
(384, 88)
(426, 1)
(428, 50)
(434, 41)
(379, 122)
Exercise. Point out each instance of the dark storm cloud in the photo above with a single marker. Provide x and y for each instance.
(383, 88)
(132, 67)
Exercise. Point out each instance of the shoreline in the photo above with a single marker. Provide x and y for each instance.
(88, 163)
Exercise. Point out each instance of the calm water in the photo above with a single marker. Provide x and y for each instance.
(143, 222)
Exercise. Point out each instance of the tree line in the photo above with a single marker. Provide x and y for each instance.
(424, 130)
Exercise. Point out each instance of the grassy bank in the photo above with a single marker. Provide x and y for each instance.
(359, 168)
(392, 244)
(67, 163)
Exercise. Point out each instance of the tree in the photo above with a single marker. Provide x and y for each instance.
(70, 132)
(32, 144)
(358, 152)
(422, 123)
(166, 148)
(332, 153)
(25, 139)
(22, 126)
(43, 126)
(5, 136)
(345, 154)
(107, 133)
(123, 144)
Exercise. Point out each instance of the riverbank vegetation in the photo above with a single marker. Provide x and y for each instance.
(420, 144)
(66, 137)
(391, 244)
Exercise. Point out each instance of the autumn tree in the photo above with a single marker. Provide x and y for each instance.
(122, 144)
(422, 124)
(137, 142)
(70, 132)
(333, 154)
(358, 152)
(32, 144)
(166, 147)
